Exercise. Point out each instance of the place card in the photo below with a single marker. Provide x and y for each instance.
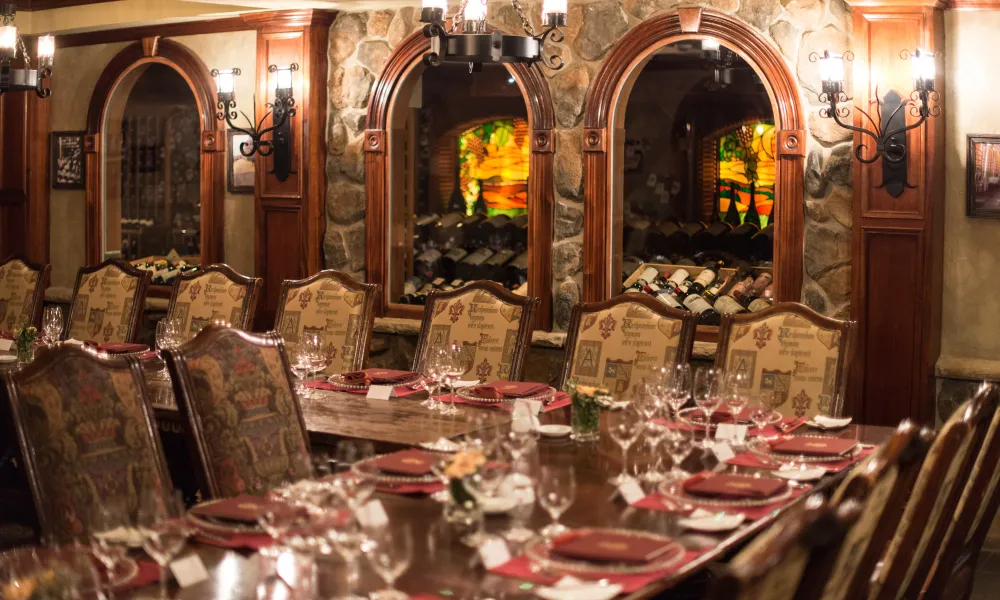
(6, 345)
(731, 432)
(189, 570)
(372, 515)
(631, 492)
(723, 452)
(494, 553)
(380, 392)
(465, 383)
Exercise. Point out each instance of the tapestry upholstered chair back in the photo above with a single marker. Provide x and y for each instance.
(793, 352)
(617, 343)
(108, 303)
(216, 292)
(87, 435)
(492, 325)
(235, 391)
(22, 291)
(334, 306)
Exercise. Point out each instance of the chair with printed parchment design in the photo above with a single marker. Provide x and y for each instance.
(216, 292)
(335, 306)
(108, 302)
(930, 507)
(884, 479)
(773, 565)
(235, 391)
(22, 292)
(615, 344)
(790, 349)
(492, 325)
(88, 436)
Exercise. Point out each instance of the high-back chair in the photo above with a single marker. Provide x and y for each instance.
(336, 307)
(615, 344)
(929, 510)
(108, 302)
(235, 391)
(87, 435)
(22, 292)
(953, 570)
(492, 325)
(794, 352)
(216, 292)
(773, 565)
(878, 485)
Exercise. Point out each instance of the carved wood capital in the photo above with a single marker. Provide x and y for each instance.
(150, 45)
(791, 142)
(690, 17)
(212, 141)
(542, 140)
(375, 140)
(595, 140)
(91, 142)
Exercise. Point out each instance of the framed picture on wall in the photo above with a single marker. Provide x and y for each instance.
(241, 169)
(982, 192)
(68, 164)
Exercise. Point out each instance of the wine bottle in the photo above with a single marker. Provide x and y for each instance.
(471, 267)
(517, 270)
(677, 279)
(706, 314)
(711, 237)
(451, 259)
(647, 276)
(705, 278)
(634, 237)
(764, 301)
(411, 285)
(756, 288)
(763, 244)
(664, 295)
(447, 233)
(666, 238)
(456, 283)
(494, 267)
(738, 242)
(168, 277)
(492, 230)
(438, 282)
(516, 233)
(730, 303)
(427, 263)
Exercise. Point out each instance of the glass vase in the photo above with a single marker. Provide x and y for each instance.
(585, 417)
(25, 355)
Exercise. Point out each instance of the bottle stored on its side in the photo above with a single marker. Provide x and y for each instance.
(494, 267)
(729, 304)
(471, 267)
(517, 271)
(411, 298)
(763, 243)
(411, 285)
(756, 289)
(663, 295)
(646, 277)
(427, 263)
(706, 314)
(705, 278)
(452, 258)
(677, 279)
(766, 300)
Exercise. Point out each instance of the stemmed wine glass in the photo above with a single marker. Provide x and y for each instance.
(454, 367)
(679, 389)
(349, 539)
(760, 411)
(434, 376)
(625, 426)
(390, 553)
(164, 531)
(707, 395)
(52, 324)
(521, 481)
(678, 444)
(303, 357)
(737, 394)
(319, 358)
(556, 492)
(108, 548)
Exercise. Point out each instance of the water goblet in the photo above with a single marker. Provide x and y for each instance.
(453, 369)
(556, 492)
(707, 391)
(761, 411)
(678, 444)
(624, 426)
(52, 324)
(164, 532)
(390, 553)
(679, 388)
(434, 377)
(655, 431)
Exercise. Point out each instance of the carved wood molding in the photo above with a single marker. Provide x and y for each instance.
(690, 18)
(598, 124)
(541, 114)
(150, 45)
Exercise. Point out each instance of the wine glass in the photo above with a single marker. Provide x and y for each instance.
(107, 546)
(302, 361)
(556, 492)
(453, 368)
(760, 411)
(354, 491)
(624, 426)
(390, 553)
(434, 377)
(164, 532)
(737, 396)
(679, 388)
(521, 483)
(349, 539)
(655, 431)
(707, 395)
(277, 521)
(52, 324)
(319, 359)
(678, 443)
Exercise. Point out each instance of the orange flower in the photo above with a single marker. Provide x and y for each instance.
(464, 464)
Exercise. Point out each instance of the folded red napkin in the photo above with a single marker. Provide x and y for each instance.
(117, 348)
(509, 389)
(407, 462)
(711, 485)
(149, 572)
(560, 400)
(663, 504)
(814, 446)
(248, 541)
(723, 415)
(410, 488)
(749, 459)
(609, 547)
(377, 376)
(243, 509)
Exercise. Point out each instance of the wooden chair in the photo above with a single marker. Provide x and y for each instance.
(615, 344)
(953, 571)
(108, 302)
(22, 293)
(235, 391)
(87, 435)
(335, 306)
(790, 349)
(214, 292)
(923, 524)
(773, 565)
(877, 486)
(492, 325)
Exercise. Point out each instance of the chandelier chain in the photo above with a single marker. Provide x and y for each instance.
(24, 53)
(456, 21)
(524, 19)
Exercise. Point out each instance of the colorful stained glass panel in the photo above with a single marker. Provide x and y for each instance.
(493, 167)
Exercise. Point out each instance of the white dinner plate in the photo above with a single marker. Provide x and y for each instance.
(828, 423)
(796, 473)
(555, 431)
(703, 520)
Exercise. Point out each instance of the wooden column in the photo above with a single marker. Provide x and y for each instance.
(290, 221)
(897, 241)
(24, 186)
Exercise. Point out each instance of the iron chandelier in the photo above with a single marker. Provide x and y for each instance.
(26, 79)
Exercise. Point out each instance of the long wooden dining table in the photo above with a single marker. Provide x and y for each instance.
(453, 572)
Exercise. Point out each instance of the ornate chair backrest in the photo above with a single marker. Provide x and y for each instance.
(334, 306)
(87, 435)
(235, 390)
(216, 292)
(492, 325)
(773, 565)
(615, 344)
(884, 480)
(22, 292)
(790, 349)
(108, 302)
(928, 512)
(978, 501)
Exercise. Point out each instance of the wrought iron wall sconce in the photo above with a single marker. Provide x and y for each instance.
(888, 131)
(281, 110)
(27, 79)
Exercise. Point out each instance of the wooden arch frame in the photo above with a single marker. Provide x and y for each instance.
(213, 141)
(541, 118)
(602, 124)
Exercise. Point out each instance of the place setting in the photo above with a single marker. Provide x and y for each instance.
(802, 453)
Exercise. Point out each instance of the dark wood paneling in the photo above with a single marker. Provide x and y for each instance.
(24, 192)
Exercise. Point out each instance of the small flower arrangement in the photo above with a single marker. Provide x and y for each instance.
(585, 415)
(462, 465)
(53, 583)
(24, 341)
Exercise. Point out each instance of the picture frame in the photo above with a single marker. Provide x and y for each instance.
(240, 169)
(68, 167)
(982, 190)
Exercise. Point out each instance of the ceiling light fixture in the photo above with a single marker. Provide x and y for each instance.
(24, 79)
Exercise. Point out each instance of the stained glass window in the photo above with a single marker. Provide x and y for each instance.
(493, 167)
(746, 171)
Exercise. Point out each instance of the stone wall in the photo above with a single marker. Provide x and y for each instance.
(361, 42)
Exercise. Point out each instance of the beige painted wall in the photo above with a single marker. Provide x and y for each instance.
(971, 319)
(73, 80)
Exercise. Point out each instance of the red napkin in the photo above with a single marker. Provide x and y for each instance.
(664, 504)
(149, 572)
(723, 415)
(509, 389)
(407, 462)
(814, 446)
(248, 541)
(410, 488)
(710, 485)
(749, 459)
(560, 400)
(607, 546)
(244, 508)
(377, 376)
(117, 348)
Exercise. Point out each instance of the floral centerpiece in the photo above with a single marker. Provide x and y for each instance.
(462, 465)
(24, 341)
(53, 583)
(585, 416)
